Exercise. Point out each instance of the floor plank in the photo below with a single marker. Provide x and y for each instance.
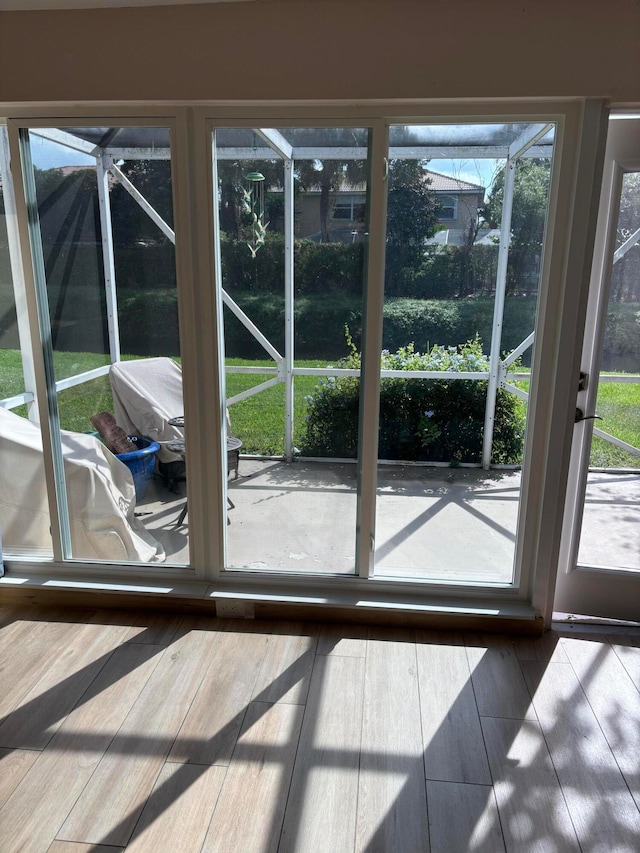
(285, 673)
(44, 708)
(343, 640)
(463, 818)
(497, 679)
(33, 814)
(602, 809)
(321, 811)
(210, 730)
(109, 807)
(145, 626)
(178, 812)
(383, 708)
(14, 764)
(39, 643)
(453, 743)
(532, 809)
(548, 647)
(615, 701)
(392, 801)
(257, 781)
(627, 650)
(74, 847)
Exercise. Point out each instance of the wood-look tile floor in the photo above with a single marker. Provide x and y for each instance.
(126, 731)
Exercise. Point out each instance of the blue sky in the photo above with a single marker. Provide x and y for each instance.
(480, 172)
(49, 155)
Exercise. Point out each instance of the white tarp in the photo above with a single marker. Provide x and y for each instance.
(100, 494)
(147, 393)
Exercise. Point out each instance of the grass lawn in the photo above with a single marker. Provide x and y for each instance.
(259, 420)
(619, 407)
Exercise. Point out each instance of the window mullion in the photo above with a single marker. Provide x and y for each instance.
(371, 346)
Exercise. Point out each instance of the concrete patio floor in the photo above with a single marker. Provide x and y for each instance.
(451, 524)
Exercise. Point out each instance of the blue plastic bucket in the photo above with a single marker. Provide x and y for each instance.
(141, 462)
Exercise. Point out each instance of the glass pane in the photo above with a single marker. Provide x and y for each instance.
(280, 513)
(24, 514)
(609, 536)
(105, 227)
(441, 472)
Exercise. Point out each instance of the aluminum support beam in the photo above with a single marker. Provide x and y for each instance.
(250, 392)
(277, 142)
(629, 243)
(517, 392)
(423, 152)
(17, 275)
(251, 326)
(260, 371)
(103, 163)
(16, 400)
(527, 139)
(623, 445)
(606, 377)
(140, 153)
(68, 140)
(433, 374)
(517, 352)
(137, 196)
(80, 378)
(498, 313)
(634, 451)
(288, 306)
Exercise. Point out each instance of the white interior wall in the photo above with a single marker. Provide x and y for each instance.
(324, 49)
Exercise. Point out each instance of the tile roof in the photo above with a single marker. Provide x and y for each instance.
(438, 183)
(445, 183)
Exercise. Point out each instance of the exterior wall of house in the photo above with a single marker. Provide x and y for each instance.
(307, 220)
(467, 209)
(289, 51)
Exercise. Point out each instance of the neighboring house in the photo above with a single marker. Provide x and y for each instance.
(346, 218)
(459, 203)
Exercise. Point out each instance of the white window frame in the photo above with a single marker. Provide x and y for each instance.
(347, 201)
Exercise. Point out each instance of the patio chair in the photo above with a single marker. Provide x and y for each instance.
(100, 495)
(147, 396)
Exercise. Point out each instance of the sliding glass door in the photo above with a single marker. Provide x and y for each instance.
(465, 240)
(98, 312)
(600, 570)
(446, 332)
(371, 310)
(291, 238)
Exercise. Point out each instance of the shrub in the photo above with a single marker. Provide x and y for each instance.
(319, 267)
(621, 335)
(329, 268)
(435, 420)
(149, 322)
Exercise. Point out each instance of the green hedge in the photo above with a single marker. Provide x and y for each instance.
(449, 272)
(319, 267)
(149, 323)
(433, 420)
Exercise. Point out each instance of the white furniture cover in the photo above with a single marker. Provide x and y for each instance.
(100, 494)
(147, 393)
